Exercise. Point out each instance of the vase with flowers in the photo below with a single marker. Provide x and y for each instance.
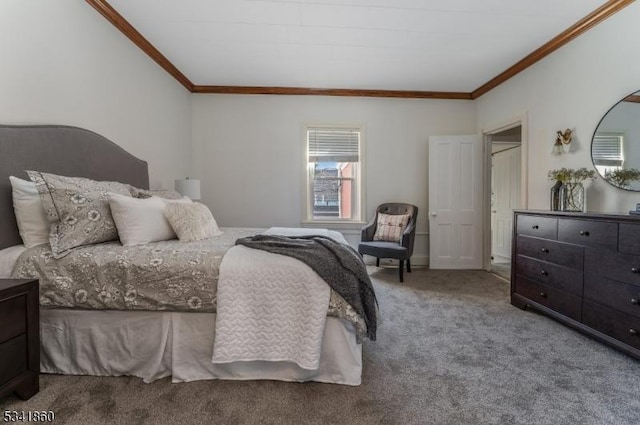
(571, 195)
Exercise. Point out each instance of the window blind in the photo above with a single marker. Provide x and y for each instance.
(606, 149)
(333, 144)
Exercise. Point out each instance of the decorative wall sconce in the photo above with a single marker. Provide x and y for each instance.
(562, 143)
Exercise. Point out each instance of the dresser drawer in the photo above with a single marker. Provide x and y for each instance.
(13, 358)
(554, 252)
(617, 295)
(535, 225)
(549, 274)
(602, 234)
(622, 267)
(629, 238)
(13, 319)
(560, 301)
(621, 326)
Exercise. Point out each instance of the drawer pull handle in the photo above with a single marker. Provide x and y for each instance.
(543, 294)
(584, 233)
(635, 270)
(535, 227)
(633, 331)
(545, 250)
(634, 301)
(544, 273)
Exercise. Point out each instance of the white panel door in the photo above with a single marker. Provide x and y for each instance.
(455, 202)
(506, 198)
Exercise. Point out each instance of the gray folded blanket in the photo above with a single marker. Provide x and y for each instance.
(338, 264)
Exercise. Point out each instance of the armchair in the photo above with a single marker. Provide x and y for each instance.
(400, 250)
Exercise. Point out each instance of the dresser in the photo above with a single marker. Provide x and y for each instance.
(581, 269)
(19, 337)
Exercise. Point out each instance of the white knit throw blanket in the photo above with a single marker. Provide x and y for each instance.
(269, 307)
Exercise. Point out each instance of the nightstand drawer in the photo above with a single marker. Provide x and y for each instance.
(19, 337)
(602, 234)
(554, 252)
(569, 280)
(623, 327)
(538, 226)
(560, 301)
(13, 320)
(13, 358)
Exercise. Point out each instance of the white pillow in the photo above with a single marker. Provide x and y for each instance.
(141, 221)
(33, 224)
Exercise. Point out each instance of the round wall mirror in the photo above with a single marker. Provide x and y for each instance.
(615, 148)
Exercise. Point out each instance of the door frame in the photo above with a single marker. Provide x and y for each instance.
(520, 120)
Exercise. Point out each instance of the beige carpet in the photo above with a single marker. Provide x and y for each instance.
(450, 350)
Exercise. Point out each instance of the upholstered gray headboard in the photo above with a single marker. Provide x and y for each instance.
(67, 151)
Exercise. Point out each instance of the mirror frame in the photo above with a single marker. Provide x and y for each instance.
(637, 93)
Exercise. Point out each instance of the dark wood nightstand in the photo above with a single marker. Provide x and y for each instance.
(19, 337)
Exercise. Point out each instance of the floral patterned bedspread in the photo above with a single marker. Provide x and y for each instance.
(168, 275)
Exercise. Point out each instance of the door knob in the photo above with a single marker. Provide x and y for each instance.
(433, 214)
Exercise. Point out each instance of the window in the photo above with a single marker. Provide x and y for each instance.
(334, 165)
(607, 152)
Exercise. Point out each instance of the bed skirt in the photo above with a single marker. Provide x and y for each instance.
(154, 345)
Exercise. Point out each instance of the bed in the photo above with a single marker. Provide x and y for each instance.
(143, 342)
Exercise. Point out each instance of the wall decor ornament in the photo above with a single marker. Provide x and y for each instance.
(563, 142)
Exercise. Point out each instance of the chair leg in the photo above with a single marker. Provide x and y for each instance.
(401, 270)
(409, 265)
(377, 262)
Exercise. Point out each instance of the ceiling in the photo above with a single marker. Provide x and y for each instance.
(426, 45)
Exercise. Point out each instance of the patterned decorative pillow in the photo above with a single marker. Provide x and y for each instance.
(390, 227)
(191, 222)
(78, 210)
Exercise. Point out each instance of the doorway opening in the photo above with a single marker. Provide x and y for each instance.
(505, 156)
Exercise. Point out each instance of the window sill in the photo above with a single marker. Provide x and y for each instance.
(334, 224)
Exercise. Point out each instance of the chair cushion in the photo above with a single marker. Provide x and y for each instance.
(383, 249)
(390, 227)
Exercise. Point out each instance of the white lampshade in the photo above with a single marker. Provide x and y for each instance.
(189, 187)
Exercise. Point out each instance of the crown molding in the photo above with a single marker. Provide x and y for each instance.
(118, 21)
(302, 91)
(589, 21)
(584, 24)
